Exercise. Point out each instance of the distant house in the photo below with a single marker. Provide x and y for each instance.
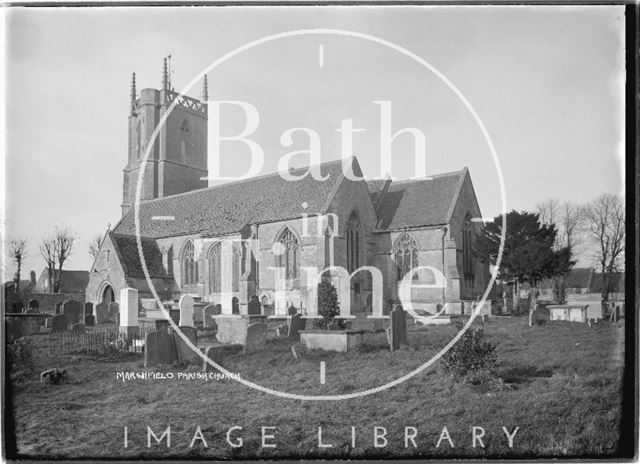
(70, 281)
(26, 286)
(582, 281)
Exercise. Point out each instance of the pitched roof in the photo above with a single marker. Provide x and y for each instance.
(70, 281)
(127, 248)
(422, 202)
(227, 208)
(578, 277)
(375, 188)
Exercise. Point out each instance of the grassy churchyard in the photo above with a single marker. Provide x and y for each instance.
(562, 389)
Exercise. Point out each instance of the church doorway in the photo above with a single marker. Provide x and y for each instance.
(107, 294)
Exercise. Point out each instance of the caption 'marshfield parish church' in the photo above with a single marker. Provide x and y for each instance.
(195, 238)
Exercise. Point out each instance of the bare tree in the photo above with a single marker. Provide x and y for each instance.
(17, 252)
(63, 245)
(605, 222)
(549, 211)
(55, 250)
(94, 246)
(47, 250)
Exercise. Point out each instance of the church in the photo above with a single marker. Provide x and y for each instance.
(259, 238)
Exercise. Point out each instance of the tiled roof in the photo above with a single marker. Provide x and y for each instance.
(227, 208)
(71, 281)
(415, 203)
(375, 188)
(127, 249)
(578, 277)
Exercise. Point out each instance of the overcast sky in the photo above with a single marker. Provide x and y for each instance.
(547, 82)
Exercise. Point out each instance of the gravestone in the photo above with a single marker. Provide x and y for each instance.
(128, 320)
(17, 307)
(113, 311)
(102, 313)
(59, 323)
(398, 328)
(158, 349)
(255, 308)
(77, 328)
(217, 353)
(296, 325)
(33, 304)
(89, 320)
(256, 337)
(185, 352)
(186, 311)
(59, 308)
(88, 308)
(207, 315)
(72, 309)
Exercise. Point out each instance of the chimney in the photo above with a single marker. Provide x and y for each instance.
(32, 276)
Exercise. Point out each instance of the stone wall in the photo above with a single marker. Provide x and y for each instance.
(47, 300)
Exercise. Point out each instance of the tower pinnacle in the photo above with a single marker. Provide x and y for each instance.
(205, 90)
(133, 93)
(165, 75)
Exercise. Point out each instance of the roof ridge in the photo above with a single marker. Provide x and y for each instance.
(427, 178)
(241, 181)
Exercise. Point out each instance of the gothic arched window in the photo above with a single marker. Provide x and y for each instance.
(289, 256)
(353, 242)
(467, 254)
(405, 255)
(184, 139)
(189, 265)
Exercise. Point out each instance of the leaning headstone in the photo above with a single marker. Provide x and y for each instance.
(113, 311)
(33, 304)
(186, 311)
(89, 320)
(129, 312)
(254, 307)
(398, 328)
(59, 323)
(59, 308)
(158, 349)
(185, 353)
(207, 315)
(297, 324)
(88, 308)
(72, 309)
(102, 313)
(256, 337)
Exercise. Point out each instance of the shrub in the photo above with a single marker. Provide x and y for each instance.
(328, 307)
(472, 360)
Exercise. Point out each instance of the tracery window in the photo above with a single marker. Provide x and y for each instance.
(289, 257)
(353, 242)
(189, 265)
(405, 255)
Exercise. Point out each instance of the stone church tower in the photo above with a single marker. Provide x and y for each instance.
(177, 161)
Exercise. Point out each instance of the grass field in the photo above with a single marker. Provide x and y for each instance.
(564, 393)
